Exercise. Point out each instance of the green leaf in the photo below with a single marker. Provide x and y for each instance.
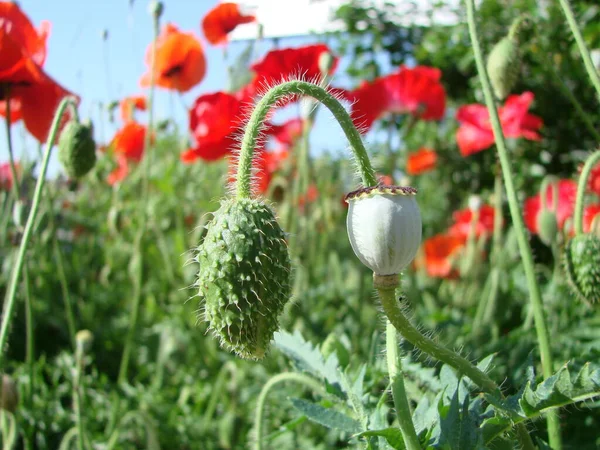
(326, 417)
(308, 358)
(459, 427)
(393, 436)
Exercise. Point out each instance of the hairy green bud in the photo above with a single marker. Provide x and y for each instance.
(77, 149)
(547, 226)
(244, 278)
(582, 266)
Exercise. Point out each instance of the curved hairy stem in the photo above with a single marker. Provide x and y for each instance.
(9, 302)
(260, 405)
(279, 92)
(581, 188)
(515, 212)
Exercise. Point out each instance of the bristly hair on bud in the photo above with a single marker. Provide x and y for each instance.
(244, 278)
(504, 61)
(581, 261)
(77, 149)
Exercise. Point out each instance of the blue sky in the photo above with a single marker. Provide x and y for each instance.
(104, 70)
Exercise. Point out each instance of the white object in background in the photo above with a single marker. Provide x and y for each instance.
(285, 18)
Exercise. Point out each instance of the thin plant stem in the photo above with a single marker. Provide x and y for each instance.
(583, 50)
(137, 252)
(515, 212)
(394, 365)
(29, 340)
(9, 302)
(78, 399)
(396, 317)
(593, 159)
(256, 123)
(274, 381)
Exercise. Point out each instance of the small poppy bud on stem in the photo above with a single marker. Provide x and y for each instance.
(547, 223)
(156, 9)
(77, 148)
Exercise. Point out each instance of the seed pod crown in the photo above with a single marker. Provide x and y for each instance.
(244, 277)
(77, 149)
(582, 266)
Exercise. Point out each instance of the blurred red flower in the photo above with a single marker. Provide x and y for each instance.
(594, 180)
(33, 95)
(180, 63)
(475, 132)
(311, 194)
(222, 20)
(438, 253)
(463, 222)
(590, 213)
(285, 64)
(128, 141)
(215, 121)
(421, 161)
(6, 178)
(567, 190)
(120, 172)
(386, 180)
(128, 105)
(415, 91)
(288, 132)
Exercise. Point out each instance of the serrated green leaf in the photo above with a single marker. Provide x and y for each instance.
(308, 358)
(459, 428)
(326, 417)
(393, 436)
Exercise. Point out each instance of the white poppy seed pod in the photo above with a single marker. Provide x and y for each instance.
(384, 227)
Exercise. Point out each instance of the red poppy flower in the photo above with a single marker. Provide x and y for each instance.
(567, 190)
(129, 141)
(180, 62)
(215, 121)
(591, 214)
(385, 180)
(129, 104)
(463, 222)
(594, 180)
(438, 254)
(415, 91)
(34, 96)
(311, 194)
(222, 20)
(288, 132)
(475, 133)
(120, 172)
(6, 177)
(286, 64)
(421, 161)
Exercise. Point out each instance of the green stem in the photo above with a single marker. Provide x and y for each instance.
(394, 313)
(9, 302)
(137, 252)
(515, 212)
(29, 340)
(585, 53)
(78, 400)
(394, 364)
(62, 277)
(255, 124)
(260, 405)
(593, 159)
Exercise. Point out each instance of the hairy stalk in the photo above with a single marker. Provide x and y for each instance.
(585, 53)
(515, 212)
(394, 365)
(9, 302)
(279, 92)
(593, 159)
(308, 382)
(137, 252)
(396, 317)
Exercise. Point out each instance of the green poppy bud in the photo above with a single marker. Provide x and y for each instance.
(84, 340)
(77, 149)
(582, 266)
(547, 226)
(244, 278)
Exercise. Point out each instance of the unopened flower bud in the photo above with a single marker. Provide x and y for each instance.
(384, 227)
(10, 394)
(547, 226)
(156, 9)
(244, 278)
(84, 340)
(77, 149)
(326, 63)
(582, 266)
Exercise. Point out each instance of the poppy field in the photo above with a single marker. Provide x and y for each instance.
(426, 277)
